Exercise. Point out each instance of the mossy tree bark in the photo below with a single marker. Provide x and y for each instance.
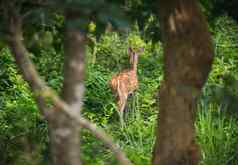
(64, 132)
(188, 58)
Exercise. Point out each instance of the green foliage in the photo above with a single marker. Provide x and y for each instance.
(98, 102)
(50, 70)
(12, 86)
(217, 119)
(136, 137)
(94, 151)
(135, 42)
(222, 83)
(217, 8)
(116, 52)
(217, 135)
(100, 11)
(23, 133)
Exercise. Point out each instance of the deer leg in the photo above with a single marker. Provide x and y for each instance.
(121, 107)
(123, 94)
(123, 104)
(122, 98)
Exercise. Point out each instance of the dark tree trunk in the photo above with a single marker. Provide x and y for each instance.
(188, 58)
(65, 133)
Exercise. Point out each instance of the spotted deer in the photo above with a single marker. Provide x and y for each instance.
(125, 83)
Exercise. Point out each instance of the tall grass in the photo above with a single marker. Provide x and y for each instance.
(136, 137)
(217, 133)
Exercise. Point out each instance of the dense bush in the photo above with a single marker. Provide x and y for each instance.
(23, 132)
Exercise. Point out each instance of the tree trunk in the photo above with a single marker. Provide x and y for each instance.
(65, 132)
(188, 58)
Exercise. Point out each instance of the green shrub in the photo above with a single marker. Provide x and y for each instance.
(217, 135)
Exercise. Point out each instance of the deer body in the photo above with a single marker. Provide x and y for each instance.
(126, 82)
(123, 84)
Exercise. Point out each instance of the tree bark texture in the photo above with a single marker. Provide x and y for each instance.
(20, 53)
(65, 133)
(188, 58)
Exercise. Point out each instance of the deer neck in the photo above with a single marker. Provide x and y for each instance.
(134, 63)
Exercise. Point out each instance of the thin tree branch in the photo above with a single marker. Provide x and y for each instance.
(99, 133)
(15, 41)
(42, 91)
